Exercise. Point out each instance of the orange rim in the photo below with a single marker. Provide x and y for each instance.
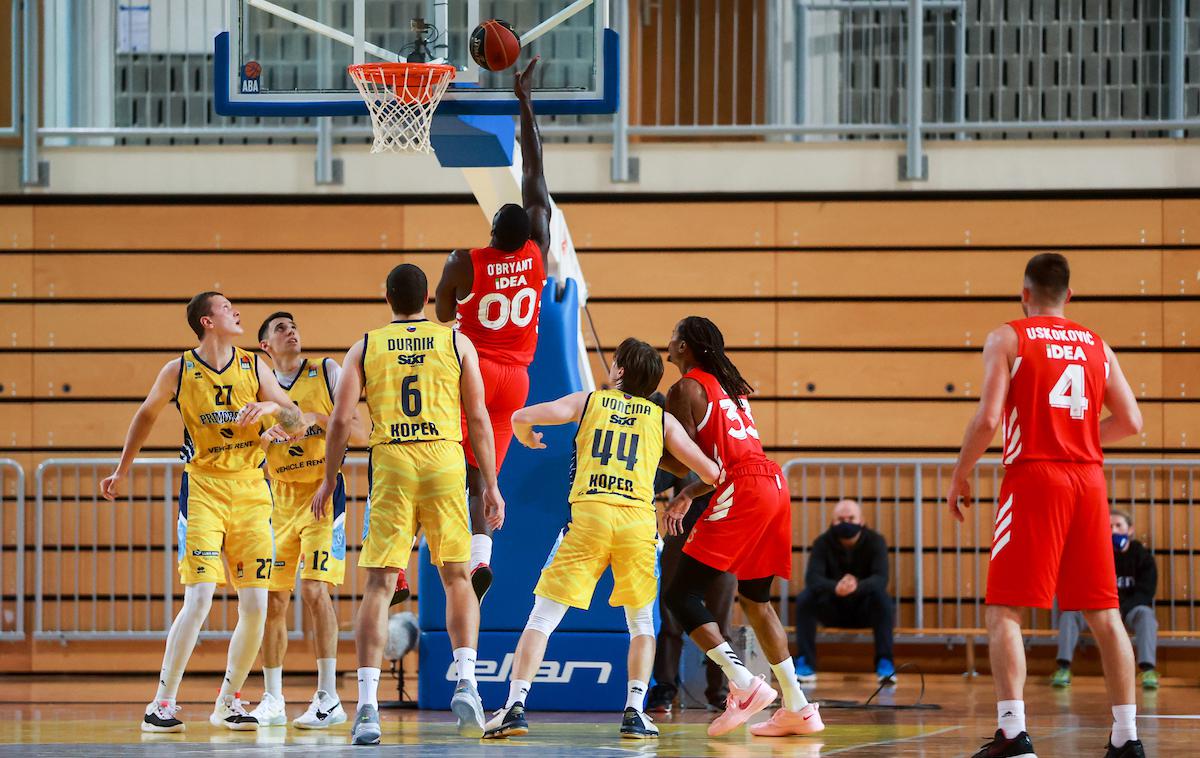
(407, 75)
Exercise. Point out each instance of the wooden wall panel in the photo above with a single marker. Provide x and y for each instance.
(1181, 222)
(743, 324)
(1181, 324)
(445, 227)
(16, 274)
(1181, 374)
(16, 326)
(16, 426)
(16, 375)
(758, 368)
(652, 274)
(16, 227)
(646, 226)
(1181, 271)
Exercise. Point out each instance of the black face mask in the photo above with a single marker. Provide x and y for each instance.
(844, 530)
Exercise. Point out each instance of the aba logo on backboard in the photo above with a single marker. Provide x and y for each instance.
(551, 672)
(250, 73)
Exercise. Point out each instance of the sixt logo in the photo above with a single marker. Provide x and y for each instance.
(295, 451)
(551, 672)
(410, 360)
(227, 433)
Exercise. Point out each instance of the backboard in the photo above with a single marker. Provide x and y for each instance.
(289, 57)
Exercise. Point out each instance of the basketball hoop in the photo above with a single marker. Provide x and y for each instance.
(401, 98)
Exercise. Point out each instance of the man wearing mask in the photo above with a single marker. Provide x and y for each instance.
(1137, 579)
(845, 585)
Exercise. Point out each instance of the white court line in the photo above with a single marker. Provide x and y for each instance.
(892, 742)
(1156, 716)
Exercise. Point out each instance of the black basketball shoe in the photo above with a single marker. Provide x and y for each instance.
(1131, 749)
(1002, 747)
(507, 722)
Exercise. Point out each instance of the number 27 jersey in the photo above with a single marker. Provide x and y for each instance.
(1055, 394)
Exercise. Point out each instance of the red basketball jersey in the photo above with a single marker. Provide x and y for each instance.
(727, 432)
(1052, 412)
(501, 313)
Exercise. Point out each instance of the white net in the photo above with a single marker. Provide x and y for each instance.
(401, 98)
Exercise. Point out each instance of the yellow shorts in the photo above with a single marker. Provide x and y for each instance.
(230, 515)
(416, 484)
(598, 535)
(317, 547)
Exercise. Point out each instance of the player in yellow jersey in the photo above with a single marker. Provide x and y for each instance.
(296, 468)
(421, 379)
(620, 440)
(223, 393)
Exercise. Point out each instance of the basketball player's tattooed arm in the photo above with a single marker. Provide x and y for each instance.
(160, 394)
(479, 429)
(455, 284)
(999, 352)
(683, 448)
(1125, 418)
(337, 434)
(272, 400)
(534, 195)
(554, 413)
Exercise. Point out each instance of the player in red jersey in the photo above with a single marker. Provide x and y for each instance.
(1045, 379)
(746, 530)
(494, 293)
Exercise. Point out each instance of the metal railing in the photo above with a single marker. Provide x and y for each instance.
(938, 566)
(12, 561)
(108, 570)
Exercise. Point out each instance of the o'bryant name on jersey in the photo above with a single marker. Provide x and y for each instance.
(1062, 352)
(510, 274)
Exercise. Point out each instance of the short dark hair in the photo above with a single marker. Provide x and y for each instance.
(1048, 276)
(510, 227)
(198, 308)
(1123, 514)
(643, 367)
(262, 330)
(407, 289)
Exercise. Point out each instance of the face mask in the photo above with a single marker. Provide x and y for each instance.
(1120, 541)
(844, 530)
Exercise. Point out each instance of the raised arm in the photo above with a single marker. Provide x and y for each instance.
(479, 429)
(337, 434)
(534, 195)
(456, 282)
(1124, 416)
(554, 413)
(998, 354)
(164, 388)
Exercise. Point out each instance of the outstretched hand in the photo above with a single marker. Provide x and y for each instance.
(523, 80)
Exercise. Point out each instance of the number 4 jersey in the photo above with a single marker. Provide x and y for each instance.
(501, 313)
(1052, 412)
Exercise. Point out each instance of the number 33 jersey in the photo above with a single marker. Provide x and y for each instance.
(501, 313)
(617, 449)
(1056, 391)
(727, 433)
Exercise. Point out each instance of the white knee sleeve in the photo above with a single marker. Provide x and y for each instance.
(640, 620)
(197, 601)
(546, 615)
(252, 603)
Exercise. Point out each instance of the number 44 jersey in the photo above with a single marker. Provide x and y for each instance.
(1052, 412)
(501, 313)
(617, 449)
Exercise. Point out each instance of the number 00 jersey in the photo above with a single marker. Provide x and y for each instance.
(209, 400)
(1052, 412)
(411, 370)
(617, 450)
(501, 313)
(304, 459)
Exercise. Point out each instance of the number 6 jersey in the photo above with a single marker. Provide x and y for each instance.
(501, 313)
(1052, 412)
(411, 373)
(617, 449)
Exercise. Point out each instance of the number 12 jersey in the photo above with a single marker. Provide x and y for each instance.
(1052, 412)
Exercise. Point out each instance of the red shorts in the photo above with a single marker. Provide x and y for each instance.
(747, 527)
(1051, 536)
(505, 389)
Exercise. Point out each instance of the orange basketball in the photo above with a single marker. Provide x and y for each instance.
(494, 45)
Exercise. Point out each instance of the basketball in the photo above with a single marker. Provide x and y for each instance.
(494, 45)
(252, 69)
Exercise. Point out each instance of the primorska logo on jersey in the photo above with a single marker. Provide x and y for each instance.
(551, 672)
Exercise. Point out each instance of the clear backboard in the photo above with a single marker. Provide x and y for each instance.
(289, 57)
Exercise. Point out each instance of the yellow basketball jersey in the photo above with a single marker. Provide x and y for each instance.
(209, 400)
(411, 370)
(617, 450)
(304, 459)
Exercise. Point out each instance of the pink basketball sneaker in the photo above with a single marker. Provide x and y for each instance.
(741, 705)
(785, 723)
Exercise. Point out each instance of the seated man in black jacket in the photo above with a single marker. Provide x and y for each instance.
(1137, 579)
(845, 585)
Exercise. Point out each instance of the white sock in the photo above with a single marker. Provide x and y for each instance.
(518, 690)
(785, 674)
(181, 640)
(635, 695)
(734, 669)
(481, 549)
(327, 676)
(246, 639)
(273, 681)
(1011, 717)
(168, 685)
(1124, 726)
(464, 660)
(368, 686)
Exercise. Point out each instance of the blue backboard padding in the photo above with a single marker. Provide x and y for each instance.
(584, 671)
(606, 102)
(473, 141)
(535, 487)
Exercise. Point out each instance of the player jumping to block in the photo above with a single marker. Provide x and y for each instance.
(420, 378)
(746, 530)
(494, 293)
(618, 445)
(224, 394)
(1045, 379)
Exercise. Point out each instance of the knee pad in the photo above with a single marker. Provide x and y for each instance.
(688, 606)
(546, 615)
(640, 620)
(756, 590)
